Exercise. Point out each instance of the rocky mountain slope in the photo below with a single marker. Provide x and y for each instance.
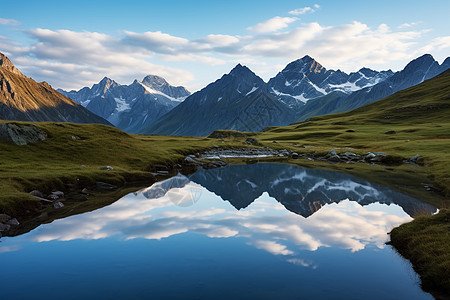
(239, 100)
(130, 107)
(23, 99)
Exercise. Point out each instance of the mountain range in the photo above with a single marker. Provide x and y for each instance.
(130, 107)
(23, 99)
(415, 72)
(305, 79)
(239, 100)
(242, 101)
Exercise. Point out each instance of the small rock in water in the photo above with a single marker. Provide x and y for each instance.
(58, 204)
(107, 168)
(104, 185)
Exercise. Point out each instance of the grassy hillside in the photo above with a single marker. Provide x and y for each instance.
(74, 153)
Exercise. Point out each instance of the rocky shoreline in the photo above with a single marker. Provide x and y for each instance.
(216, 156)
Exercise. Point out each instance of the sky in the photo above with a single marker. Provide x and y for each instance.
(72, 44)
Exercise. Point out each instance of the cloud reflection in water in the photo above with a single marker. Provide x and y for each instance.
(155, 213)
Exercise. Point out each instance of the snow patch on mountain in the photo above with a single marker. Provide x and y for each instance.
(252, 90)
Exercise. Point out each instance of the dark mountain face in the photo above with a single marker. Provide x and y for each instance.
(239, 100)
(301, 190)
(23, 99)
(415, 72)
(130, 107)
(306, 79)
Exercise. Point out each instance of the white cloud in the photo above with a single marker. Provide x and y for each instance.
(304, 10)
(9, 22)
(221, 39)
(156, 41)
(70, 59)
(272, 25)
(408, 25)
(439, 43)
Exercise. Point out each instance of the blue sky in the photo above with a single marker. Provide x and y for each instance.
(72, 44)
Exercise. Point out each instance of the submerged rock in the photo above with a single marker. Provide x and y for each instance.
(104, 185)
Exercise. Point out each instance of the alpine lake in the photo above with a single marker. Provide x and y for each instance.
(258, 231)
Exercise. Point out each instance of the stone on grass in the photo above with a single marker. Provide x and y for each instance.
(58, 204)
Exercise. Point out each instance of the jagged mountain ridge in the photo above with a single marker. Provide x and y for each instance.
(415, 72)
(239, 100)
(242, 101)
(130, 107)
(305, 79)
(23, 99)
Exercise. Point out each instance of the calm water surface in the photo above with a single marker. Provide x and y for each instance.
(262, 231)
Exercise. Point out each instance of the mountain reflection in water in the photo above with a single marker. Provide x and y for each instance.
(301, 190)
(330, 209)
